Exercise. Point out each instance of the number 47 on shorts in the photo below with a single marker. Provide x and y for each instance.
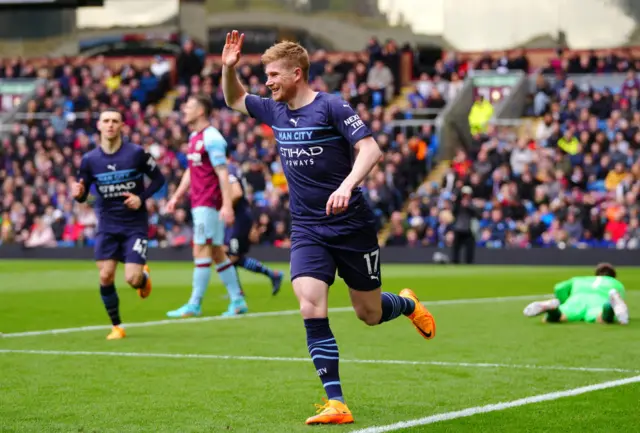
(140, 246)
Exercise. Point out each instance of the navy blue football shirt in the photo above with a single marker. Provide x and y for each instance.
(315, 143)
(114, 175)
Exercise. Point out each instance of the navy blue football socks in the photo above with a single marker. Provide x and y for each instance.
(253, 265)
(324, 354)
(394, 305)
(111, 303)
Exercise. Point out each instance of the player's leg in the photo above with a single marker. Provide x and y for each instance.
(574, 310)
(225, 268)
(255, 265)
(238, 246)
(107, 253)
(361, 272)
(561, 292)
(539, 307)
(615, 310)
(202, 250)
(229, 277)
(136, 270)
(109, 296)
(312, 272)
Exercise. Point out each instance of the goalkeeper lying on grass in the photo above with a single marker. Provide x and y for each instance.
(585, 299)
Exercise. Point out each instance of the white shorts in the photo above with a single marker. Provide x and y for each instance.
(208, 228)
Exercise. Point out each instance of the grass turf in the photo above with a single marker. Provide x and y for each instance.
(262, 380)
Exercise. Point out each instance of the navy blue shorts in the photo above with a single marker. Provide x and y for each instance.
(126, 247)
(318, 251)
(237, 240)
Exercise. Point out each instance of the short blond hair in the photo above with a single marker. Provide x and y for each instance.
(293, 53)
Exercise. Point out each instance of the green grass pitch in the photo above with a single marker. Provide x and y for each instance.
(253, 374)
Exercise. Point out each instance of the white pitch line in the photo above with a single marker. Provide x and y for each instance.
(252, 315)
(498, 407)
(306, 360)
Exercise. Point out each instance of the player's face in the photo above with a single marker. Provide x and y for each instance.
(190, 111)
(110, 124)
(281, 80)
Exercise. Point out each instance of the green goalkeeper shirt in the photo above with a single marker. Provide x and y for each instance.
(592, 287)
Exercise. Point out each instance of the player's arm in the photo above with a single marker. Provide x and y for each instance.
(235, 95)
(151, 169)
(239, 100)
(223, 174)
(358, 135)
(183, 187)
(348, 123)
(216, 147)
(369, 154)
(233, 90)
(80, 188)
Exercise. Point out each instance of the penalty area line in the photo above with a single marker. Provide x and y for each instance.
(253, 315)
(498, 406)
(306, 360)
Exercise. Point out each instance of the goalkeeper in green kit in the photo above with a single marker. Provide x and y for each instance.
(593, 299)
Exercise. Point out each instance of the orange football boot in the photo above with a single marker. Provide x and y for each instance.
(145, 291)
(332, 412)
(421, 317)
(116, 333)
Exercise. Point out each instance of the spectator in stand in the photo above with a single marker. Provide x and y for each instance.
(466, 216)
(380, 81)
(188, 64)
(574, 184)
(480, 114)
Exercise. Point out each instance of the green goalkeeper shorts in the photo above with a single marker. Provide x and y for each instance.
(582, 308)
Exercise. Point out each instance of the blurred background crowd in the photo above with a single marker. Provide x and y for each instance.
(571, 179)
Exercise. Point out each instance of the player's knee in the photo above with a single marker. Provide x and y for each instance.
(107, 277)
(218, 254)
(133, 278)
(310, 310)
(201, 251)
(369, 316)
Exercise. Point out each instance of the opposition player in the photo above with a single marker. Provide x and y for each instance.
(117, 170)
(332, 226)
(211, 207)
(591, 299)
(238, 237)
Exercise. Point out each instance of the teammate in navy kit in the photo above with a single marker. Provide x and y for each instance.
(332, 226)
(117, 171)
(238, 236)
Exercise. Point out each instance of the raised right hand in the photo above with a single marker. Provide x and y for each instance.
(232, 48)
(77, 189)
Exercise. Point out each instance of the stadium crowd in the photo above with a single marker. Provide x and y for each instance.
(41, 153)
(573, 182)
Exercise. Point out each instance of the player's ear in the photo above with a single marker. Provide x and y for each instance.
(297, 73)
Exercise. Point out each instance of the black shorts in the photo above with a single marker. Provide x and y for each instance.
(237, 240)
(318, 251)
(126, 247)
